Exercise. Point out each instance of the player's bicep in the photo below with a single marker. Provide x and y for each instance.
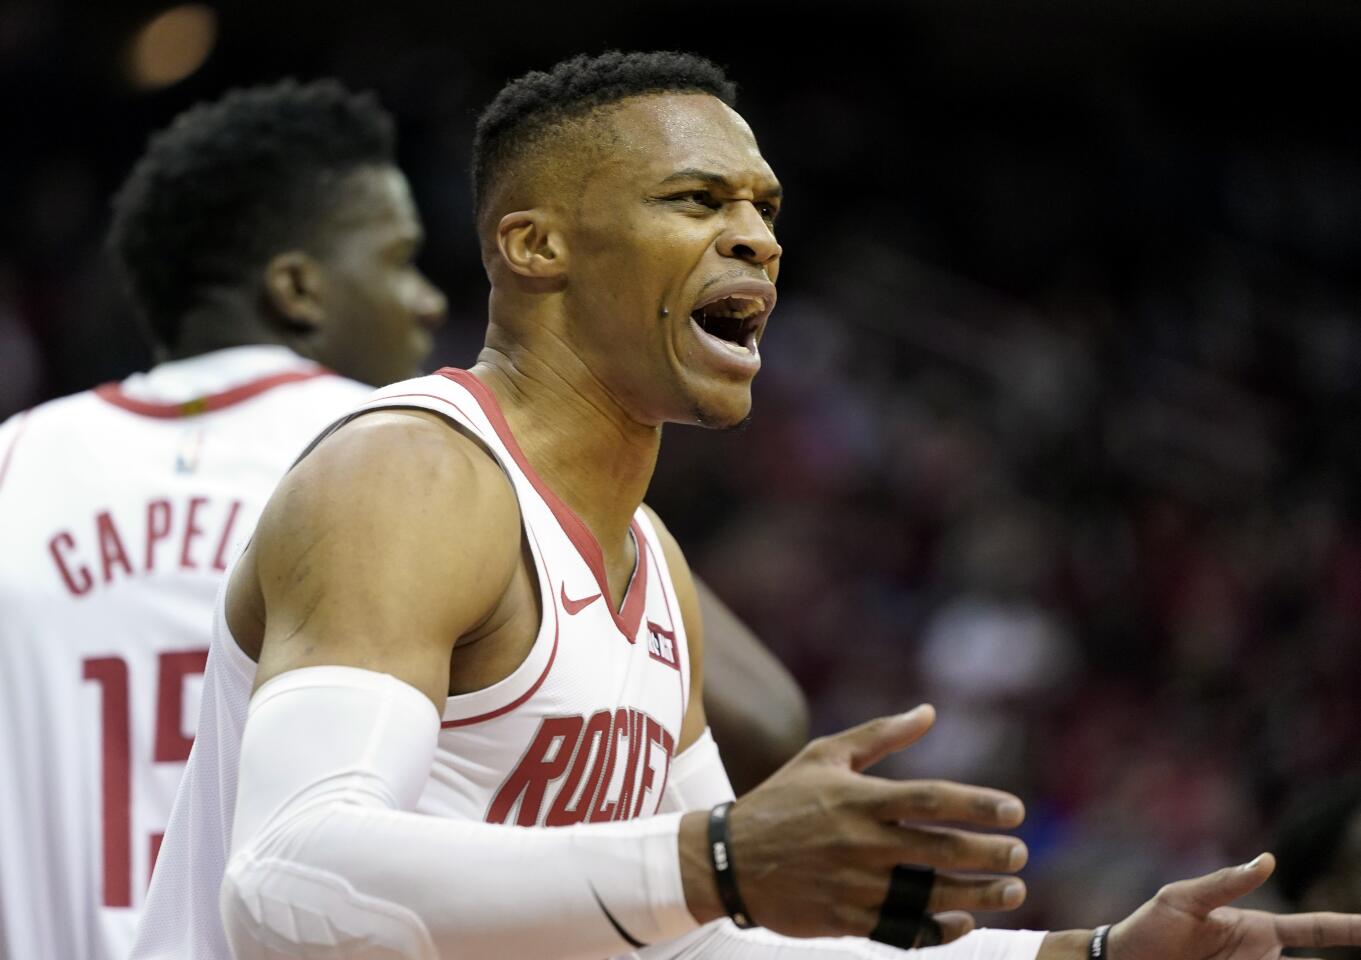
(392, 539)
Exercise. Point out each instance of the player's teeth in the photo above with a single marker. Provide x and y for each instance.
(735, 308)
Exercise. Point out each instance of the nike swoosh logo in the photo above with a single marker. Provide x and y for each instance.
(573, 607)
(618, 927)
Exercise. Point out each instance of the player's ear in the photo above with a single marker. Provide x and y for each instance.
(531, 245)
(293, 287)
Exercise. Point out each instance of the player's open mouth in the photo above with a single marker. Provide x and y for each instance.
(732, 316)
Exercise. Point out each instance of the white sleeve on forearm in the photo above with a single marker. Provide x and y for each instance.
(327, 858)
(723, 941)
(697, 779)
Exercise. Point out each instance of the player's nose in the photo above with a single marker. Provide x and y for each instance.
(748, 237)
(431, 306)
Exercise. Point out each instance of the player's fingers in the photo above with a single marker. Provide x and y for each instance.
(940, 801)
(958, 851)
(1200, 895)
(975, 893)
(865, 745)
(953, 925)
(1319, 930)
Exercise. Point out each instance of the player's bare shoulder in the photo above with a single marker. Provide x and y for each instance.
(675, 558)
(682, 580)
(406, 528)
(692, 616)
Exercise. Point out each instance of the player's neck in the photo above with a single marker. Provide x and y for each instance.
(220, 326)
(574, 434)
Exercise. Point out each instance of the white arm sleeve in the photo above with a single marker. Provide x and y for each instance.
(327, 858)
(723, 941)
(698, 782)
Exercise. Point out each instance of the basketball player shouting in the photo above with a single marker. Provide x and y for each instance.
(269, 227)
(474, 730)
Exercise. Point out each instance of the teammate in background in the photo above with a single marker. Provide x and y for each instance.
(269, 227)
(266, 240)
(461, 625)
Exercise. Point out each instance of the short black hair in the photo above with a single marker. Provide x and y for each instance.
(232, 182)
(531, 104)
(1311, 833)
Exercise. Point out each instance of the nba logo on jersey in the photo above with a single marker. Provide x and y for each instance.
(661, 644)
(187, 454)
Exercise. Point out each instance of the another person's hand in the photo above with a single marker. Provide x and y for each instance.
(1192, 920)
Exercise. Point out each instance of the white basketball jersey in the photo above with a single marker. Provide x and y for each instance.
(583, 730)
(119, 508)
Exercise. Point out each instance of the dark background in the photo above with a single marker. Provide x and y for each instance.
(1058, 421)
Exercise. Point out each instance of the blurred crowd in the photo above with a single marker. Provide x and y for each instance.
(1055, 431)
(1114, 542)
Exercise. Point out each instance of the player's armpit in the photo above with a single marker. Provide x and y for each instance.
(394, 537)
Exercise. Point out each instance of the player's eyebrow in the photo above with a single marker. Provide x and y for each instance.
(693, 174)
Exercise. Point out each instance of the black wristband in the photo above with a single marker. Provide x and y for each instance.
(725, 876)
(1096, 949)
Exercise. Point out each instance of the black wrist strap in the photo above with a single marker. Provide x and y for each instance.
(1096, 949)
(725, 877)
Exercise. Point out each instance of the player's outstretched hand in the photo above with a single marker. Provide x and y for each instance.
(814, 846)
(1192, 920)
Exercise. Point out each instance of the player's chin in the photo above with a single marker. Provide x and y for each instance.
(723, 408)
(708, 394)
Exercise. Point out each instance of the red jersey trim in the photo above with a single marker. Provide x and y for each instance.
(630, 615)
(9, 453)
(547, 667)
(113, 393)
